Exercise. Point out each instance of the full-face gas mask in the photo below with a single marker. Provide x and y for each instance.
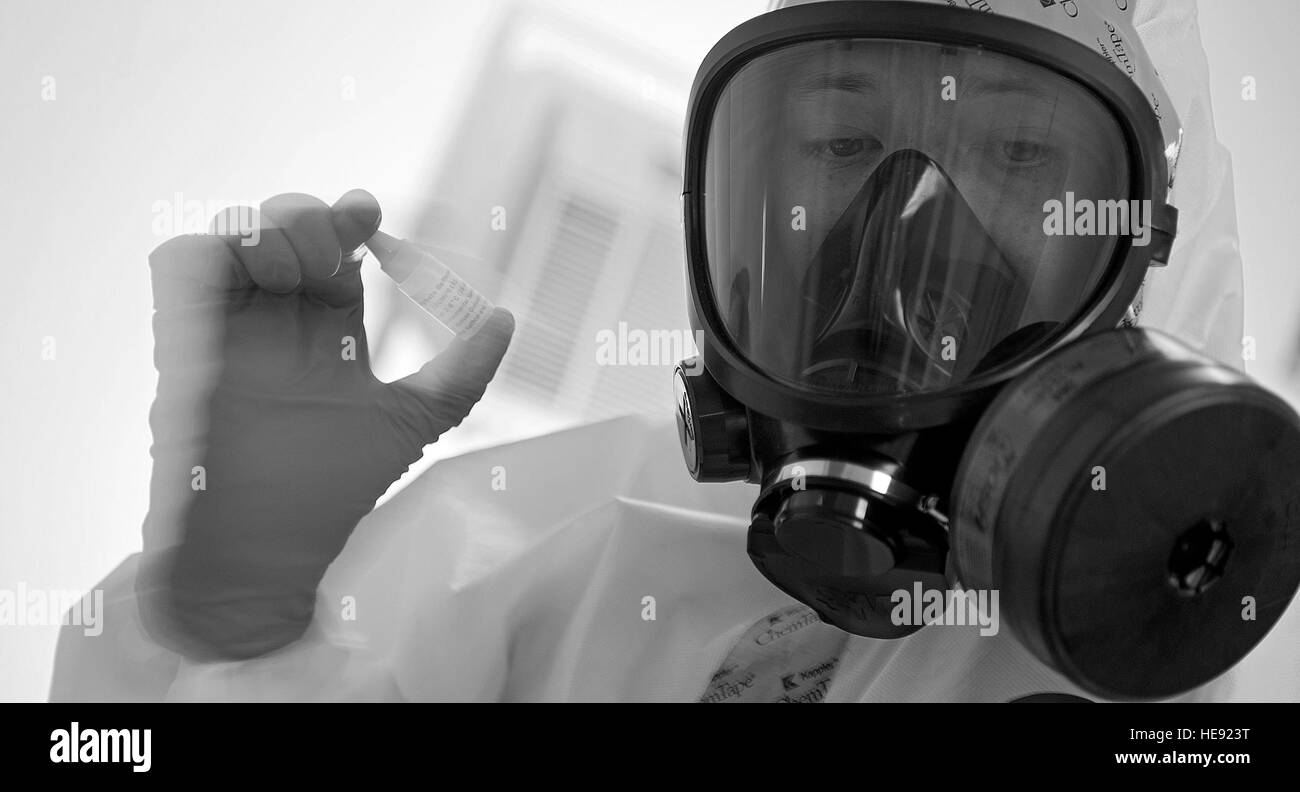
(913, 233)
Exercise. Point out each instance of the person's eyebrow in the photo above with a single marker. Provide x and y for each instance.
(980, 86)
(862, 82)
(852, 82)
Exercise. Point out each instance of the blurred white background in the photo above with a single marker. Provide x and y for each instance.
(237, 101)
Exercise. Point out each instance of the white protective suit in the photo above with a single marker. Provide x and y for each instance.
(456, 590)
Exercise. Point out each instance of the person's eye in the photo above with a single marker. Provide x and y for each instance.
(839, 150)
(1025, 153)
(845, 147)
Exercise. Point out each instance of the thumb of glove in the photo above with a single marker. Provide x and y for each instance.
(444, 390)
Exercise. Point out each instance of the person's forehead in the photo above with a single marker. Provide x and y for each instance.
(872, 67)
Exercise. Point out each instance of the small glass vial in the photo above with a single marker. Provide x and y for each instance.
(430, 284)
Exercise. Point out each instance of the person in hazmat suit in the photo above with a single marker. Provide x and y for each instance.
(931, 247)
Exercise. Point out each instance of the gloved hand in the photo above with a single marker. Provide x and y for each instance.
(271, 441)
